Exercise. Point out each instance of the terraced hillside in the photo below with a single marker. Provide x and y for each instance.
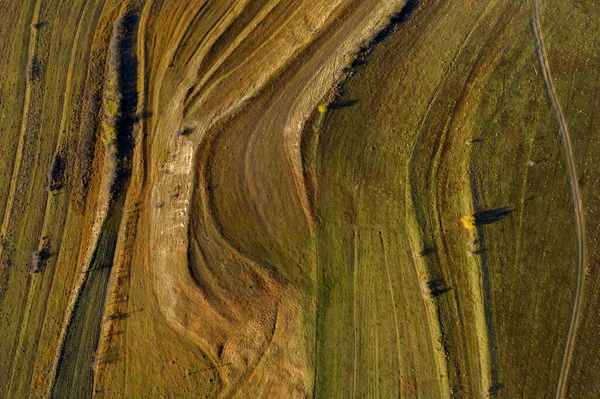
(300, 198)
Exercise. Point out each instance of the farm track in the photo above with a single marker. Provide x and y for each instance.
(576, 197)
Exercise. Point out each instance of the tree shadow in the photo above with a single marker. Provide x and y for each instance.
(40, 25)
(437, 287)
(342, 104)
(426, 251)
(494, 389)
(186, 131)
(402, 17)
(492, 215)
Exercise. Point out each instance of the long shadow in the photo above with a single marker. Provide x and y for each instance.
(342, 104)
(437, 287)
(494, 389)
(492, 215)
(128, 87)
(40, 25)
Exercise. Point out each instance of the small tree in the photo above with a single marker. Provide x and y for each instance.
(185, 131)
(38, 259)
(468, 222)
(349, 60)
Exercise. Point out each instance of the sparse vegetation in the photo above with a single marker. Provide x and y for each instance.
(111, 104)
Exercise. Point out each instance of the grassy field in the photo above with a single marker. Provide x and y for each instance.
(290, 199)
(466, 129)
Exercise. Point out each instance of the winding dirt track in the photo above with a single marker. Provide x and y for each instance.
(577, 203)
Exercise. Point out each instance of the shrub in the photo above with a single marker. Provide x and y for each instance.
(468, 222)
(34, 69)
(116, 89)
(185, 131)
(38, 259)
(55, 172)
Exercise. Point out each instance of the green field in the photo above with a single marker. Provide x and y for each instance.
(437, 127)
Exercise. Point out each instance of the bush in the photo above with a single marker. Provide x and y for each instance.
(55, 172)
(185, 131)
(38, 259)
(468, 222)
(119, 98)
(34, 69)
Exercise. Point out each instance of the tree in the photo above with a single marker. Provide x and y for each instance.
(468, 222)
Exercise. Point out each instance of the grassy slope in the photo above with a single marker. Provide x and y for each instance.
(481, 82)
(572, 50)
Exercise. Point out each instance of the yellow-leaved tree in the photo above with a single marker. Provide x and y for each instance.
(468, 222)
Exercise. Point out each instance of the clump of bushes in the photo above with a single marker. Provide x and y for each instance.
(117, 97)
(186, 131)
(38, 259)
(34, 69)
(111, 103)
(56, 172)
(120, 49)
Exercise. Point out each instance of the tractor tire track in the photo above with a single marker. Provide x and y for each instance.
(577, 203)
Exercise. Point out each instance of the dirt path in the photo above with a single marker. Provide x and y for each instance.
(577, 204)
